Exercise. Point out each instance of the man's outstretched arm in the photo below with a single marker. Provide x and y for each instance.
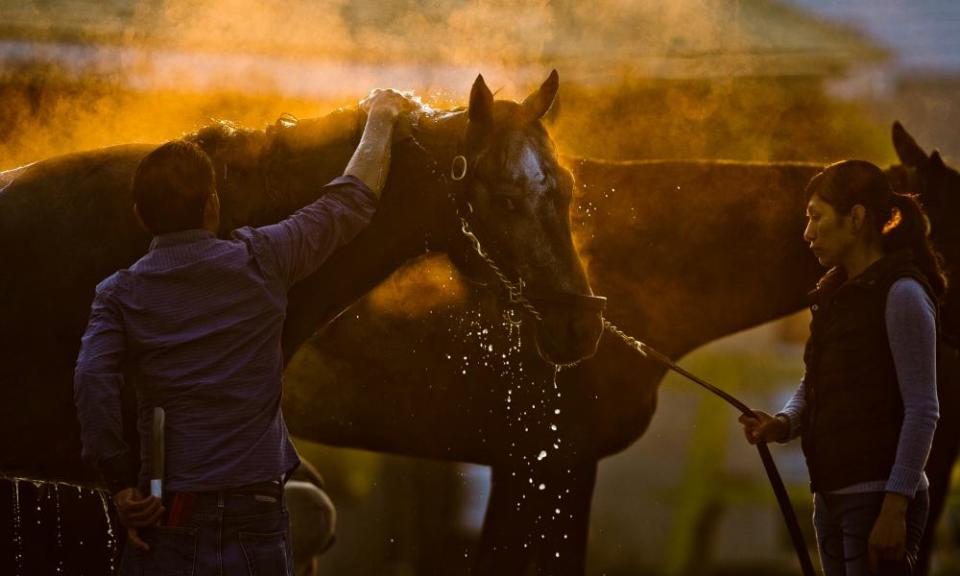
(371, 160)
(298, 245)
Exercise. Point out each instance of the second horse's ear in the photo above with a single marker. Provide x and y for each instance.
(537, 104)
(481, 102)
(908, 151)
(936, 162)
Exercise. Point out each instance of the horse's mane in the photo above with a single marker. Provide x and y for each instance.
(263, 157)
(227, 141)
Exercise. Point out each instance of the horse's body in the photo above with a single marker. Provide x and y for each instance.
(66, 223)
(686, 252)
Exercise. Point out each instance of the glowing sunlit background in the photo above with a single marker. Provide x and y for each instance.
(813, 80)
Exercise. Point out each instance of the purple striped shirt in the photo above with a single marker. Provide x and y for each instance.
(197, 321)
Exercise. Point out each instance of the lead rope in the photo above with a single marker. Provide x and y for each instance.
(776, 482)
(516, 297)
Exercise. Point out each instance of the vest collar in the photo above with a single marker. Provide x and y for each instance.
(836, 277)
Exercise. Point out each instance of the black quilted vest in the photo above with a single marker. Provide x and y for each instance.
(854, 411)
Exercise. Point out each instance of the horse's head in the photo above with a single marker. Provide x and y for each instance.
(938, 187)
(515, 197)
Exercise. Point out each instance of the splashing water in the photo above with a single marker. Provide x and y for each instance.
(111, 537)
(56, 496)
(498, 348)
(17, 534)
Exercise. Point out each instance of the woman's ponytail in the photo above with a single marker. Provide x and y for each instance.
(908, 227)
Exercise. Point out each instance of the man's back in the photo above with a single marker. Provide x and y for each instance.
(203, 324)
(197, 322)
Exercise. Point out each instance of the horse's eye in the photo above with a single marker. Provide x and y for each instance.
(507, 203)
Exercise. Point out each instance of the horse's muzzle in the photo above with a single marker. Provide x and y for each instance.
(570, 327)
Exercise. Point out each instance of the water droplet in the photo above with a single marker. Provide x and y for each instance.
(542, 487)
(56, 494)
(111, 537)
(542, 455)
(17, 535)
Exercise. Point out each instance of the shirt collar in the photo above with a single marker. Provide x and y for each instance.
(181, 237)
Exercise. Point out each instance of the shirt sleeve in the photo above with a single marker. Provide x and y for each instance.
(793, 410)
(98, 378)
(912, 332)
(295, 247)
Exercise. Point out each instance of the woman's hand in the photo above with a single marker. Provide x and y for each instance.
(764, 427)
(888, 539)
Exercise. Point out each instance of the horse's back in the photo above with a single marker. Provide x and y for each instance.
(68, 193)
(65, 223)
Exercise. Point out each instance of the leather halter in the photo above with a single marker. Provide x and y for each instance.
(513, 293)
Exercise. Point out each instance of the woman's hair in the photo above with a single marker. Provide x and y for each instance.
(897, 219)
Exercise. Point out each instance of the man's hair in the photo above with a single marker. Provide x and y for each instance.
(171, 185)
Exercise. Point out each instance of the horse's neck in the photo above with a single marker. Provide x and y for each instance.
(688, 252)
(414, 208)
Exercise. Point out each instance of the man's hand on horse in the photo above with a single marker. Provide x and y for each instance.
(135, 512)
(401, 106)
(390, 101)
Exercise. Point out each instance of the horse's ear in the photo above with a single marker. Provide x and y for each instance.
(481, 102)
(936, 162)
(908, 151)
(537, 104)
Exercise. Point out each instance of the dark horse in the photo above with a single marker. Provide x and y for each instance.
(687, 252)
(66, 222)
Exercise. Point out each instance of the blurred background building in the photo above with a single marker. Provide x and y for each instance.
(815, 80)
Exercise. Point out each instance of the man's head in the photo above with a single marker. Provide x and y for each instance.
(175, 189)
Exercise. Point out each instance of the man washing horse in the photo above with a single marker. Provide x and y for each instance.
(197, 322)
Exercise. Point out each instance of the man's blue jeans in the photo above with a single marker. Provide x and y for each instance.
(843, 523)
(227, 535)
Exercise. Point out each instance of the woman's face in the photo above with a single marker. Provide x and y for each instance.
(831, 235)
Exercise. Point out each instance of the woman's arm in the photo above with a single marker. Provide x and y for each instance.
(912, 333)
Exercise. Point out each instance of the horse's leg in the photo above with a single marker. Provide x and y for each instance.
(943, 453)
(523, 523)
(562, 536)
(505, 541)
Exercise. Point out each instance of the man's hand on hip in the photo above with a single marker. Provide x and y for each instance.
(135, 512)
